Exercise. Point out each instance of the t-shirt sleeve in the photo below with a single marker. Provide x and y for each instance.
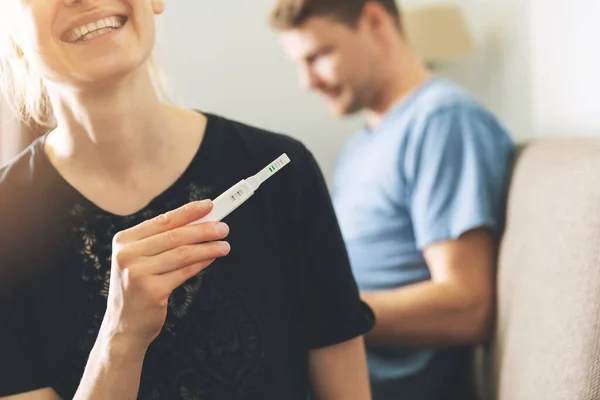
(457, 171)
(21, 368)
(334, 311)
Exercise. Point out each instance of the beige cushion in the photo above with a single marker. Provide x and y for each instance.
(547, 340)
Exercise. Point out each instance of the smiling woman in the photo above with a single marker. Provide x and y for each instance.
(23, 85)
(106, 289)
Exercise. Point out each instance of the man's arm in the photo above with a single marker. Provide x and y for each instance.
(339, 372)
(454, 308)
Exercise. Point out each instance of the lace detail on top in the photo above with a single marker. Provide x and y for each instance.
(211, 346)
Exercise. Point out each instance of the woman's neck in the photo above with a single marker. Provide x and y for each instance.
(118, 127)
(120, 147)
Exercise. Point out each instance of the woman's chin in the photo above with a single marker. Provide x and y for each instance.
(107, 73)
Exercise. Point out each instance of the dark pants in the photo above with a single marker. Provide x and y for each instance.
(447, 377)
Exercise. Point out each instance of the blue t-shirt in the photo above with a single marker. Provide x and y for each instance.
(435, 167)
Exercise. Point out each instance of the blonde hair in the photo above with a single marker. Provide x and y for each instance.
(23, 89)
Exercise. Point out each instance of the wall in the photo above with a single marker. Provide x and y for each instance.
(499, 72)
(243, 74)
(203, 56)
(566, 79)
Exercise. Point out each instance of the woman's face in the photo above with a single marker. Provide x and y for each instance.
(85, 42)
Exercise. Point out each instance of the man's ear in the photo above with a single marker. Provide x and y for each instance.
(158, 6)
(375, 15)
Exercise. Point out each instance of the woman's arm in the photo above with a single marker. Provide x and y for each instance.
(113, 371)
(149, 261)
(42, 394)
(339, 372)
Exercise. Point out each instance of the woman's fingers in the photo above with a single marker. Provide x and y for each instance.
(183, 236)
(166, 222)
(172, 280)
(183, 256)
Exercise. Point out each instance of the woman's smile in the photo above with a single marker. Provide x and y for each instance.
(99, 27)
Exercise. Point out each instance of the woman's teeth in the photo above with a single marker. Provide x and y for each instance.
(95, 29)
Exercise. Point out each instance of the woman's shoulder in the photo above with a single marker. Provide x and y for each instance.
(21, 197)
(18, 173)
(22, 181)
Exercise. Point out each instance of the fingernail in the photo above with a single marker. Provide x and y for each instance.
(224, 246)
(204, 203)
(222, 229)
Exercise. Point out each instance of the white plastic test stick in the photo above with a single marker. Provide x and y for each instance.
(235, 196)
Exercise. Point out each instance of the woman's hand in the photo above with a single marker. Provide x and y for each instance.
(151, 260)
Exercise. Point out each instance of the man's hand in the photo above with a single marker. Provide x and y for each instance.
(454, 308)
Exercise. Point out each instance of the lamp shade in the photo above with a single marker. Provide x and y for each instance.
(438, 32)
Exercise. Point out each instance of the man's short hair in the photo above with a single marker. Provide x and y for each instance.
(290, 14)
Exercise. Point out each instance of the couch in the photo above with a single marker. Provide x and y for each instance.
(546, 341)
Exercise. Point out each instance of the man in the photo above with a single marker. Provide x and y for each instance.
(419, 192)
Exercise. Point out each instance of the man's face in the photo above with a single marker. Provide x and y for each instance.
(335, 60)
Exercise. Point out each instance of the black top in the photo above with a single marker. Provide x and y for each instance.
(242, 329)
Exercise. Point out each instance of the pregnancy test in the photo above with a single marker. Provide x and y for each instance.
(237, 195)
